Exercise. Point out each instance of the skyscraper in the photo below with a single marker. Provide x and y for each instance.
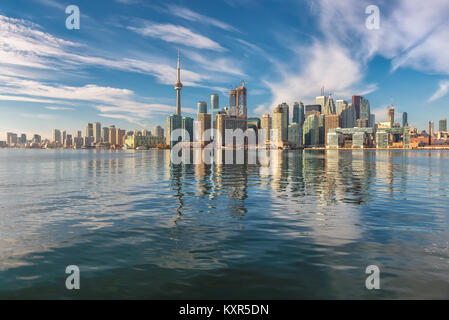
(57, 136)
(89, 130)
(215, 108)
(442, 126)
(284, 109)
(105, 137)
(158, 131)
(279, 125)
(365, 111)
(174, 122)
(295, 112)
(187, 126)
(11, 138)
(404, 119)
(356, 105)
(265, 124)
(202, 107)
(204, 124)
(329, 107)
(312, 109)
(112, 135)
(97, 132)
(322, 101)
(391, 115)
(310, 130)
(331, 121)
(295, 134)
(339, 106)
(237, 101)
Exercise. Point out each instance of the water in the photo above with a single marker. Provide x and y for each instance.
(307, 227)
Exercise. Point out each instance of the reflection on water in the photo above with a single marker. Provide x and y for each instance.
(305, 226)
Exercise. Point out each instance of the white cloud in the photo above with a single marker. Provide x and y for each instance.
(190, 15)
(412, 33)
(177, 34)
(22, 44)
(441, 92)
(322, 64)
(56, 108)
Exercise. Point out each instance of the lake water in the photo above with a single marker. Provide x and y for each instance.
(307, 227)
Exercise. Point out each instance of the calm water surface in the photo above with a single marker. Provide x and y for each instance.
(307, 227)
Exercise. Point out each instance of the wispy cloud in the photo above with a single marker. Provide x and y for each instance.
(23, 44)
(187, 14)
(441, 92)
(56, 108)
(176, 34)
(323, 64)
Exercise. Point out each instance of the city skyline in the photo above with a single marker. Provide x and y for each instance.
(72, 77)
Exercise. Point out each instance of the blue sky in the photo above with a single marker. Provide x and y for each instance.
(120, 66)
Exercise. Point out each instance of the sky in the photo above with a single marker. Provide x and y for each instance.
(119, 67)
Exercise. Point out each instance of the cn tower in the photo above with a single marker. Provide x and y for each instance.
(178, 88)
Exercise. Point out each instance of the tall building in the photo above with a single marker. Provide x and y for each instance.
(310, 130)
(23, 138)
(97, 132)
(68, 141)
(178, 88)
(105, 136)
(284, 109)
(57, 136)
(312, 109)
(322, 101)
(295, 112)
(237, 101)
(331, 121)
(120, 139)
(187, 126)
(372, 120)
(265, 124)
(391, 115)
(89, 130)
(365, 111)
(442, 126)
(204, 120)
(11, 138)
(158, 131)
(329, 107)
(356, 104)
(339, 106)
(112, 135)
(346, 113)
(226, 121)
(404, 119)
(321, 129)
(214, 109)
(295, 134)
(202, 107)
(174, 122)
(64, 137)
(279, 125)
(362, 123)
